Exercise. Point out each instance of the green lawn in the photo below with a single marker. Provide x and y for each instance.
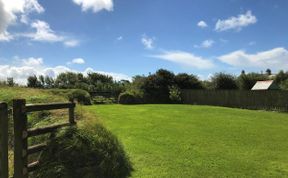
(199, 141)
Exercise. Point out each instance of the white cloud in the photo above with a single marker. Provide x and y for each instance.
(32, 61)
(223, 40)
(78, 61)
(148, 42)
(202, 24)
(5, 36)
(44, 32)
(21, 69)
(120, 38)
(186, 59)
(276, 58)
(116, 76)
(71, 43)
(236, 23)
(95, 5)
(252, 43)
(205, 44)
(11, 11)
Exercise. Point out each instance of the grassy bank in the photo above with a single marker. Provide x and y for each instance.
(7, 94)
(199, 141)
(88, 150)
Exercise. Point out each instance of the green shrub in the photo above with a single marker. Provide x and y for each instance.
(174, 94)
(82, 96)
(103, 100)
(284, 85)
(92, 152)
(128, 98)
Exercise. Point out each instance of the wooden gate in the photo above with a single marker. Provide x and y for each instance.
(21, 134)
(22, 150)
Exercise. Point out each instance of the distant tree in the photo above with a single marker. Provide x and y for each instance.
(125, 82)
(66, 80)
(185, 81)
(81, 78)
(3, 83)
(223, 81)
(33, 82)
(136, 86)
(242, 72)
(42, 81)
(49, 82)
(284, 85)
(268, 72)
(247, 81)
(281, 76)
(95, 78)
(207, 85)
(156, 86)
(10, 81)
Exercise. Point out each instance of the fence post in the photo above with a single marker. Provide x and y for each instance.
(72, 115)
(20, 139)
(4, 140)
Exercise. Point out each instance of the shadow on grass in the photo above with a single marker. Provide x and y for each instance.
(88, 152)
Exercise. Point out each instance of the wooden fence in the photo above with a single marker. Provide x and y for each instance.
(268, 99)
(21, 134)
(3, 140)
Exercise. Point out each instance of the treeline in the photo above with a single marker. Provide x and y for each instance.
(163, 86)
(93, 82)
(9, 82)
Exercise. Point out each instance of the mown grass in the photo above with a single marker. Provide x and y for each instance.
(199, 141)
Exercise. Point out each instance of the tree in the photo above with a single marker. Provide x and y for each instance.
(49, 82)
(223, 81)
(66, 80)
(156, 86)
(268, 72)
(284, 85)
(95, 78)
(247, 81)
(281, 76)
(42, 81)
(10, 81)
(33, 82)
(185, 81)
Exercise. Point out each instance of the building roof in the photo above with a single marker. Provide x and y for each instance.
(265, 85)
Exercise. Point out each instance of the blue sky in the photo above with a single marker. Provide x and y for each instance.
(124, 38)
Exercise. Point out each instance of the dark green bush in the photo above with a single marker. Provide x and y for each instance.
(128, 98)
(223, 81)
(82, 96)
(92, 152)
(103, 100)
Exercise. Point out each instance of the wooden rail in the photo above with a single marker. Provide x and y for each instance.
(21, 133)
(44, 130)
(42, 107)
(36, 148)
(3, 141)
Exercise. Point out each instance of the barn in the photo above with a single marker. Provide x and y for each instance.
(265, 85)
